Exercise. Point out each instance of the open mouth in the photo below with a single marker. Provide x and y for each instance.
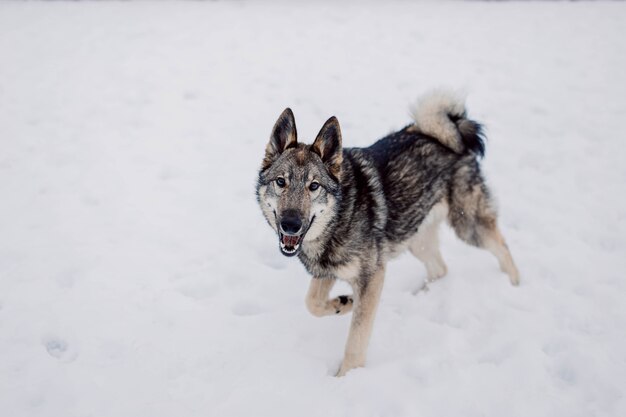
(289, 244)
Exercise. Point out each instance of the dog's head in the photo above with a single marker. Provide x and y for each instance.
(298, 187)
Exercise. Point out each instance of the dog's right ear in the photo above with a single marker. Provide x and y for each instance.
(284, 136)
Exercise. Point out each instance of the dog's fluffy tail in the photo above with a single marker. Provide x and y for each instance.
(442, 115)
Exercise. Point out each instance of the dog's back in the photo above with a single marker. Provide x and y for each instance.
(423, 164)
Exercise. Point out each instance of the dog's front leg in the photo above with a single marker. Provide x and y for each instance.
(317, 299)
(368, 290)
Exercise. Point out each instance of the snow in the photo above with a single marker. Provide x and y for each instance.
(138, 277)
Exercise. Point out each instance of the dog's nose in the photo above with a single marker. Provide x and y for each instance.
(290, 222)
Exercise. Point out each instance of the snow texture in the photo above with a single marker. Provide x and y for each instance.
(138, 277)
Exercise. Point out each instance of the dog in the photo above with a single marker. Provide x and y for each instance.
(345, 212)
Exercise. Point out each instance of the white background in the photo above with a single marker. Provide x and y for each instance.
(138, 276)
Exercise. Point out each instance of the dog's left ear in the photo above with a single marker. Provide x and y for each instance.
(328, 146)
(283, 137)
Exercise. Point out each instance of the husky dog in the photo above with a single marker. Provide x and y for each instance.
(346, 211)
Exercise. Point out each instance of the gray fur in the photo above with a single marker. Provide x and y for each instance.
(372, 201)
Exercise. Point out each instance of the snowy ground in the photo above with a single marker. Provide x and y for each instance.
(138, 277)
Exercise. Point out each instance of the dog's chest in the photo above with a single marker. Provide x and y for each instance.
(332, 261)
(348, 271)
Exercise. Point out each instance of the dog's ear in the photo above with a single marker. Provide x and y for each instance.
(284, 136)
(328, 146)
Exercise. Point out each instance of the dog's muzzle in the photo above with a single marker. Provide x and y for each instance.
(291, 232)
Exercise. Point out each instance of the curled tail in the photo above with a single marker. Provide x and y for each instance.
(442, 115)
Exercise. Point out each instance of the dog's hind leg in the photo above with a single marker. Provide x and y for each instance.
(494, 242)
(425, 245)
(474, 219)
(317, 300)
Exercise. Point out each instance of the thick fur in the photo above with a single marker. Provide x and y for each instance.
(373, 203)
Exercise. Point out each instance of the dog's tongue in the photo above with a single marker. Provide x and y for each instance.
(290, 240)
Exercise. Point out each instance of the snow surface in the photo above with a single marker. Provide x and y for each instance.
(138, 277)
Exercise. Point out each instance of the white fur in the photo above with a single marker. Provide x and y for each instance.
(425, 244)
(350, 271)
(323, 213)
(268, 205)
(431, 117)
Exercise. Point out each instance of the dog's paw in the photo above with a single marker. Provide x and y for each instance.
(341, 372)
(435, 271)
(349, 364)
(342, 304)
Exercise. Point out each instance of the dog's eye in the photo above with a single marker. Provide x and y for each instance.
(280, 182)
(314, 186)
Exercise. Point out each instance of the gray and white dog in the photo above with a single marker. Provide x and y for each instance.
(346, 211)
